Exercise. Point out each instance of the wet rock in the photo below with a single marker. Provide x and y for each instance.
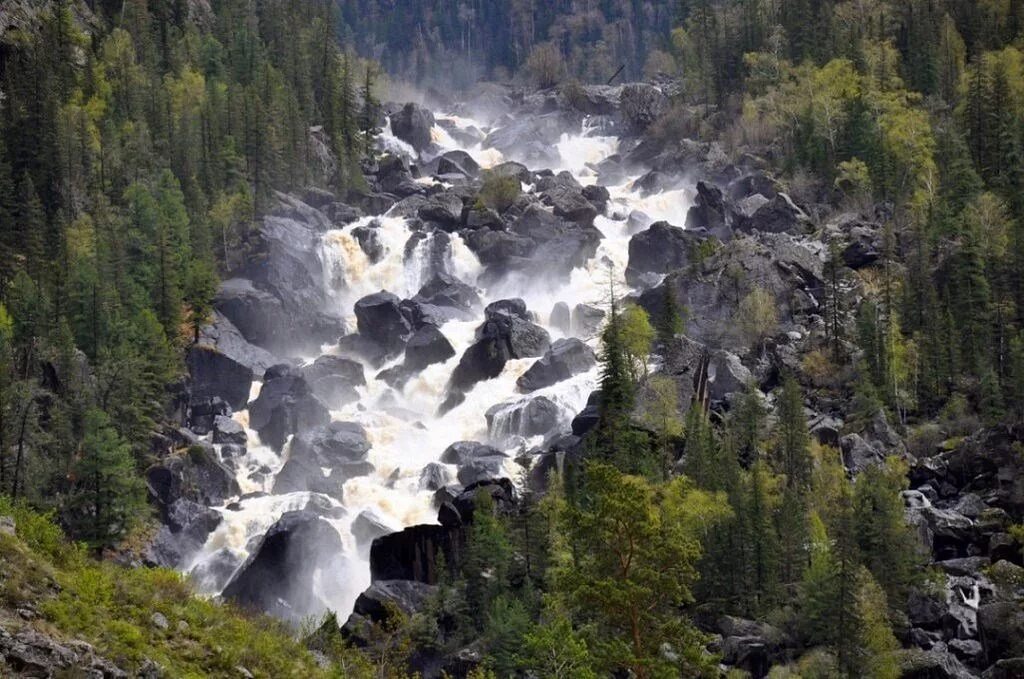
(226, 430)
(426, 347)
(334, 379)
(640, 104)
(228, 340)
(197, 475)
(569, 203)
(458, 162)
(501, 338)
(369, 242)
(507, 307)
(216, 374)
(444, 209)
(277, 577)
(187, 526)
(380, 319)
(332, 444)
(586, 320)
(286, 404)
(324, 505)
(367, 527)
(588, 418)
(434, 477)
(462, 452)
(412, 554)
(531, 417)
(413, 125)
(560, 318)
(393, 172)
(203, 411)
(446, 291)
(214, 572)
(1001, 629)
(565, 358)
(497, 247)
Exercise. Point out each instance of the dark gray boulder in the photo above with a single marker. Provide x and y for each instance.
(779, 215)
(334, 379)
(560, 318)
(216, 374)
(226, 430)
(538, 416)
(413, 125)
(286, 405)
(658, 250)
(444, 209)
(186, 528)
(565, 358)
(426, 347)
(380, 319)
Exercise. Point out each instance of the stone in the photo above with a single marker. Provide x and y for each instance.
(285, 405)
(427, 346)
(413, 124)
(560, 318)
(564, 359)
(159, 620)
(215, 374)
(226, 430)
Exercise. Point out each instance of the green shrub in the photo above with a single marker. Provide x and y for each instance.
(499, 192)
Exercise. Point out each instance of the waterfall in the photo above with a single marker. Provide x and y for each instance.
(385, 253)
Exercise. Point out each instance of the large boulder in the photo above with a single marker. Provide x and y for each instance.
(197, 475)
(476, 461)
(426, 347)
(412, 553)
(565, 358)
(538, 416)
(222, 335)
(278, 576)
(640, 104)
(568, 202)
(413, 124)
(286, 404)
(215, 374)
(380, 319)
(334, 379)
(452, 296)
(709, 212)
(502, 337)
(779, 215)
(338, 447)
(444, 209)
(658, 250)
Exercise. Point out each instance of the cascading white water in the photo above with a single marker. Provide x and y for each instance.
(403, 426)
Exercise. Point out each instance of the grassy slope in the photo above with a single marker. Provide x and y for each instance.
(112, 607)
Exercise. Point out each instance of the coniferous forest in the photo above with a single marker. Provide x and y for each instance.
(512, 338)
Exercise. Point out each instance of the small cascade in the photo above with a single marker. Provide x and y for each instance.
(402, 424)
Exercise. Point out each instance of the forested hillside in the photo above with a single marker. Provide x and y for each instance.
(137, 142)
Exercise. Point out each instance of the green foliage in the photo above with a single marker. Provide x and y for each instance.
(499, 191)
(637, 337)
(635, 549)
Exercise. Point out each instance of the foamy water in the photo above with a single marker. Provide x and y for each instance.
(403, 426)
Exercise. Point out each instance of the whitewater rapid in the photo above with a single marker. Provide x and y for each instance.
(403, 426)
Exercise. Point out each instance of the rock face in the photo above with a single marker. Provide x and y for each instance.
(779, 215)
(787, 269)
(278, 576)
(565, 358)
(29, 653)
(286, 404)
(413, 125)
(197, 475)
(216, 374)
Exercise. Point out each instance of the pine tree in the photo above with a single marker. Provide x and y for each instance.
(670, 321)
(876, 645)
(885, 542)
(108, 492)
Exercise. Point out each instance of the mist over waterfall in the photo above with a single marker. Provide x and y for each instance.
(403, 419)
